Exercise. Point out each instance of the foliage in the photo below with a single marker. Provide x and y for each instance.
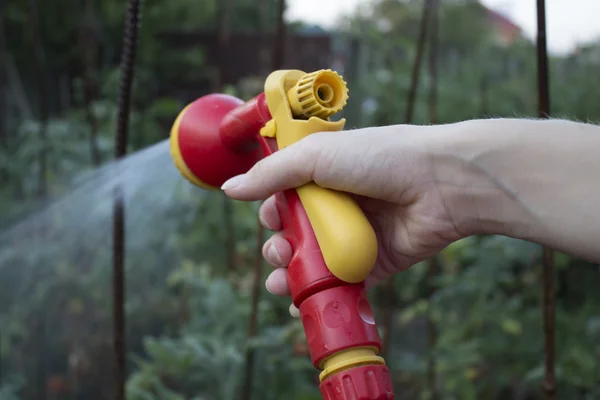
(206, 361)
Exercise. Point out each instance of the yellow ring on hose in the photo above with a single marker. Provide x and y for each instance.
(350, 358)
(178, 158)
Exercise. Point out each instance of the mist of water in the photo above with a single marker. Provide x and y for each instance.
(151, 187)
(60, 257)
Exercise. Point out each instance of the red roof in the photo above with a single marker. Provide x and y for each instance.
(502, 20)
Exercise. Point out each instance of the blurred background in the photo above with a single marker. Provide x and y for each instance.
(186, 288)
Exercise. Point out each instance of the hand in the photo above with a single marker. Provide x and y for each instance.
(390, 172)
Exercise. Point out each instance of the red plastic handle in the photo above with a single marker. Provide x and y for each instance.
(335, 315)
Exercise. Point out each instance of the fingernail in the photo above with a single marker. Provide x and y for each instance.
(267, 286)
(265, 223)
(233, 182)
(294, 312)
(274, 255)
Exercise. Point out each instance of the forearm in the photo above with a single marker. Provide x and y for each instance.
(529, 179)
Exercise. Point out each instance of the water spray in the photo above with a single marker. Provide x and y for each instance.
(218, 136)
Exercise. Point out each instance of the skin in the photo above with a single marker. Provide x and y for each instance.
(424, 187)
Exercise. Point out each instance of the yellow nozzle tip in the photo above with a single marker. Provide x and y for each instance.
(319, 94)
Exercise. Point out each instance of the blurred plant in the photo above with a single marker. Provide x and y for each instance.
(206, 360)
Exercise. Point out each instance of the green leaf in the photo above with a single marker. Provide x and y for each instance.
(511, 326)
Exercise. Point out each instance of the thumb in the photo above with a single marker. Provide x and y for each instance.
(287, 168)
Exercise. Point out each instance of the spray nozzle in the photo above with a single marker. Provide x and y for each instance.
(318, 94)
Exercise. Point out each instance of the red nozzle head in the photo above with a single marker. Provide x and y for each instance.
(367, 382)
(197, 146)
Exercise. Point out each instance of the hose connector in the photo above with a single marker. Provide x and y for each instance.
(318, 94)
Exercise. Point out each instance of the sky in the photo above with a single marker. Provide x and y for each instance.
(568, 22)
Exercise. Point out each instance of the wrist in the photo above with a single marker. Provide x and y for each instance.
(528, 179)
(469, 163)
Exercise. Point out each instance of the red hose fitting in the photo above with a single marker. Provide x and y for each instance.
(367, 382)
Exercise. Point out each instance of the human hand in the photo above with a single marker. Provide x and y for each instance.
(388, 170)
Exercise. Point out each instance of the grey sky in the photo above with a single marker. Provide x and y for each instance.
(570, 22)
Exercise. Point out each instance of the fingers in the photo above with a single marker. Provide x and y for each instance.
(363, 162)
(278, 252)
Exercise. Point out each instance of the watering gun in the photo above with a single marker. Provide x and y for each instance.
(219, 136)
